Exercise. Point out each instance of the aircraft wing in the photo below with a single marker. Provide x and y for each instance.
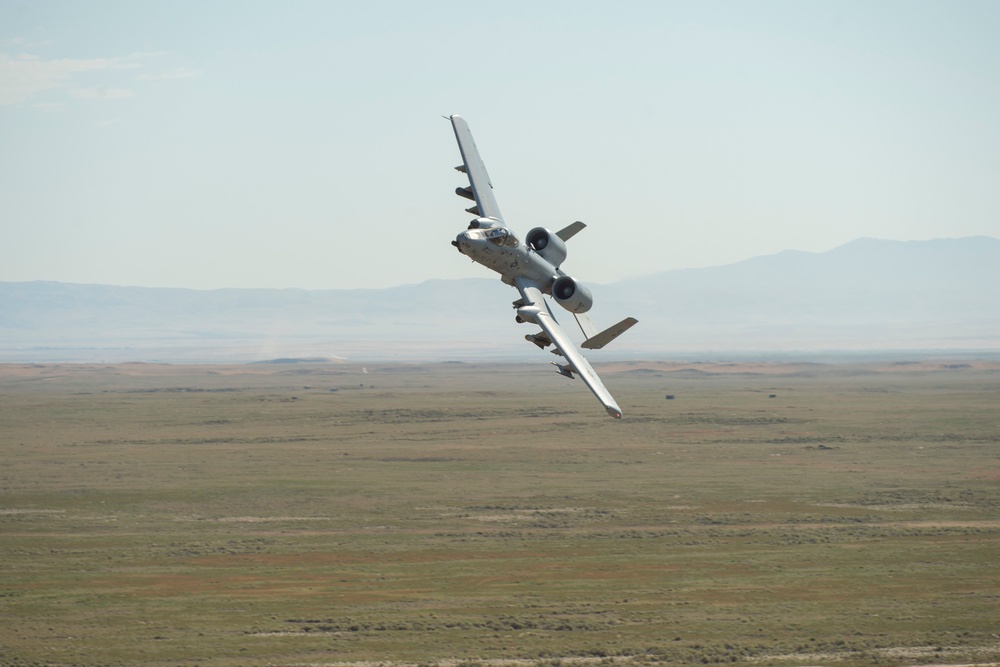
(479, 180)
(536, 307)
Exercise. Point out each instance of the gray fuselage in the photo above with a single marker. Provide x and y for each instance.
(499, 249)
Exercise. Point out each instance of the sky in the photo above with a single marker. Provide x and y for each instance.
(301, 144)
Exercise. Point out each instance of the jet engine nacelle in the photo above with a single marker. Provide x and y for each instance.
(571, 295)
(548, 245)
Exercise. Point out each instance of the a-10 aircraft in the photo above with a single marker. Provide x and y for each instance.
(532, 265)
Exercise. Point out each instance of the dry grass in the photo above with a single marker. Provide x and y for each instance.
(456, 514)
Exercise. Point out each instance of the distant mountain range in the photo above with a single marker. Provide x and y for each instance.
(942, 294)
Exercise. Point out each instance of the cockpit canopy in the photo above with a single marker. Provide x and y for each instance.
(502, 237)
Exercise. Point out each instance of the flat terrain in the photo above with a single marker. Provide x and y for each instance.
(455, 514)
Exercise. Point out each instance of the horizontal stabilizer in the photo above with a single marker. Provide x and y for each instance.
(569, 232)
(609, 334)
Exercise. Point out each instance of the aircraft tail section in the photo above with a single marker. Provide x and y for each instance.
(596, 342)
(586, 325)
(569, 232)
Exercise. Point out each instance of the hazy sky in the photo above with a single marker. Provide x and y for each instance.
(301, 144)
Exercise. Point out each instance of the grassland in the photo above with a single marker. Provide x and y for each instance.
(456, 514)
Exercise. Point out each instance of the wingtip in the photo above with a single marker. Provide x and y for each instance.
(614, 412)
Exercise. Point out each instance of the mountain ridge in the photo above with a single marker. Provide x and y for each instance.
(866, 294)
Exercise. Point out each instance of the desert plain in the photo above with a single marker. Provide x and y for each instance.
(493, 514)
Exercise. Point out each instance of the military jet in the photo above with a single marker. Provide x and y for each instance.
(532, 265)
